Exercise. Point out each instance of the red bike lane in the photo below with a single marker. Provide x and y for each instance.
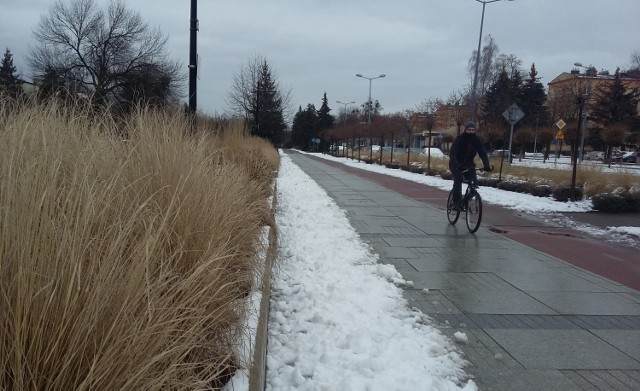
(615, 261)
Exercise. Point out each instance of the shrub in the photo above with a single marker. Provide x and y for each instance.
(446, 175)
(488, 182)
(541, 190)
(610, 203)
(565, 194)
(514, 185)
(633, 201)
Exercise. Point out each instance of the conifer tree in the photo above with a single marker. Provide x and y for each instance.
(268, 110)
(615, 111)
(614, 103)
(532, 101)
(305, 127)
(325, 120)
(9, 79)
(499, 96)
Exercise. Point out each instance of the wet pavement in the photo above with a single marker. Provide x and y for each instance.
(534, 319)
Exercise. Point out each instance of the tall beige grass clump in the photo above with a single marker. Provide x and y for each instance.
(124, 249)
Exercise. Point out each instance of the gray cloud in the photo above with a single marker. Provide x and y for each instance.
(319, 46)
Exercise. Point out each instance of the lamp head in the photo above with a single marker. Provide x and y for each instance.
(358, 75)
(383, 75)
(578, 64)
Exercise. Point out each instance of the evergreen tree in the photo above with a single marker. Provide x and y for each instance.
(305, 127)
(615, 111)
(325, 120)
(268, 117)
(614, 104)
(497, 99)
(532, 101)
(9, 79)
(297, 128)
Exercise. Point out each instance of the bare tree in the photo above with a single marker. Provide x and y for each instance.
(487, 65)
(635, 60)
(243, 98)
(112, 55)
(510, 63)
(460, 108)
(429, 109)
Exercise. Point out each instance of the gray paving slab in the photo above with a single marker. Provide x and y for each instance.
(588, 303)
(562, 349)
(497, 302)
(534, 322)
(627, 341)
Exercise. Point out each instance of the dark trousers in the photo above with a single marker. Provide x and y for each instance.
(458, 178)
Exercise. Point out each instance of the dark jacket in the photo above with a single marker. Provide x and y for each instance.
(464, 150)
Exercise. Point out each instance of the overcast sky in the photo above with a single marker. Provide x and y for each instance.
(318, 46)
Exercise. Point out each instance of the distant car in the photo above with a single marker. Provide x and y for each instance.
(435, 152)
(499, 153)
(617, 155)
(630, 157)
(413, 151)
(594, 155)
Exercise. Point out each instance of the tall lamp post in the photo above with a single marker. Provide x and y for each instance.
(582, 100)
(345, 108)
(474, 99)
(369, 101)
(370, 109)
(345, 120)
(193, 62)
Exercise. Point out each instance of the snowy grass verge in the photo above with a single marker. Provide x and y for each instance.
(337, 320)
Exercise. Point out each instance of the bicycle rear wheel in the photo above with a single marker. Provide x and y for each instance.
(474, 212)
(452, 215)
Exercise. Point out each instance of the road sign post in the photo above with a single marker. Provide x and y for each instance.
(513, 114)
(559, 138)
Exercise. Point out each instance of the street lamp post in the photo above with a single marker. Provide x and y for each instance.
(369, 101)
(474, 100)
(370, 109)
(345, 108)
(345, 121)
(583, 114)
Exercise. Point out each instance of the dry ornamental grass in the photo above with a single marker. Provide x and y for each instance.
(125, 248)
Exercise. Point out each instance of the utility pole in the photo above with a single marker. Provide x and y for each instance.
(193, 58)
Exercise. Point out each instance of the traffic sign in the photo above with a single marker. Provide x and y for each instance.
(513, 114)
(561, 124)
(560, 135)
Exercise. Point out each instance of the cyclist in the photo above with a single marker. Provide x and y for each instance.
(463, 151)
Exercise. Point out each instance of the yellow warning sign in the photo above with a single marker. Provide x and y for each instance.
(560, 135)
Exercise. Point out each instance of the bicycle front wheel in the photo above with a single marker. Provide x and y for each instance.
(474, 211)
(452, 215)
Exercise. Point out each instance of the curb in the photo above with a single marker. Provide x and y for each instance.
(257, 373)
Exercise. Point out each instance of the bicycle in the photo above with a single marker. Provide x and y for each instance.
(471, 203)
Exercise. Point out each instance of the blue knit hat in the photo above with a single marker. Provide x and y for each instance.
(470, 125)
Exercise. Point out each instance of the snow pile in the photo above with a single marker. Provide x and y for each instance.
(337, 322)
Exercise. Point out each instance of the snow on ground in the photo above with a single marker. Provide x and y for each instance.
(338, 321)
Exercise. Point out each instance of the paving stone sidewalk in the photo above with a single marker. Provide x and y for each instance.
(533, 321)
